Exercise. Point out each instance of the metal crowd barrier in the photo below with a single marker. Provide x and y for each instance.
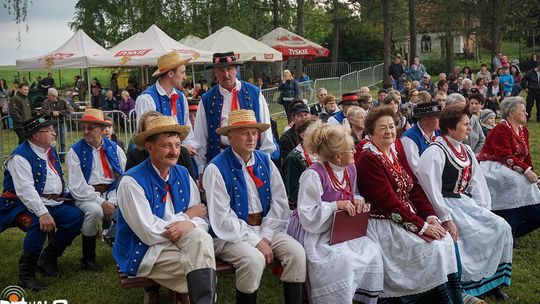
(326, 70)
(68, 131)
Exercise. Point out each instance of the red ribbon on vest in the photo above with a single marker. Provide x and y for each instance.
(174, 98)
(258, 181)
(234, 101)
(167, 190)
(52, 160)
(104, 164)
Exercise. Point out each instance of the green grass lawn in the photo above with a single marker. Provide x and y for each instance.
(83, 287)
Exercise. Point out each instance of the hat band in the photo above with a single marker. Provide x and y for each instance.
(92, 118)
(243, 122)
(349, 98)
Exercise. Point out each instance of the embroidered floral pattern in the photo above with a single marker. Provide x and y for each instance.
(410, 226)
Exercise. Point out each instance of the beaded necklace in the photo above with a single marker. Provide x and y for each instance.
(346, 189)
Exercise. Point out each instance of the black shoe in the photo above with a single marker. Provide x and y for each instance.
(246, 298)
(48, 261)
(202, 284)
(88, 261)
(499, 295)
(293, 292)
(90, 265)
(27, 272)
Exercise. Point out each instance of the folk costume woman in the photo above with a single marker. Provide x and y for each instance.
(298, 160)
(506, 162)
(455, 184)
(418, 254)
(339, 272)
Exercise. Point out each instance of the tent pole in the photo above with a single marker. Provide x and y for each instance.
(193, 73)
(88, 82)
(142, 76)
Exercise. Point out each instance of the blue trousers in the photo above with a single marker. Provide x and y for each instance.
(68, 220)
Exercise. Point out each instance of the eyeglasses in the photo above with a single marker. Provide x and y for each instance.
(49, 130)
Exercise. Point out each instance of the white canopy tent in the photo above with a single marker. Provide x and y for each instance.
(246, 48)
(75, 53)
(190, 40)
(146, 48)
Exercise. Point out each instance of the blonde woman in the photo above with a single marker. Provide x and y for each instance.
(352, 269)
(289, 89)
(355, 120)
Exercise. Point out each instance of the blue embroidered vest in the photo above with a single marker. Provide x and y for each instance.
(415, 134)
(39, 170)
(128, 249)
(84, 153)
(231, 170)
(163, 103)
(339, 116)
(248, 98)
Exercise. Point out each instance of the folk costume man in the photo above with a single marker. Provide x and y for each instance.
(347, 101)
(249, 211)
(94, 165)
(162, 227)
(231, 94)
(164, 97)
(33, 196)
(417, 139)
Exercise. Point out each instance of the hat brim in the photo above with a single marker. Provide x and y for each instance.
(351, 102)
(42, 125)
(222, 64)
(159, 72)
(261, 126)
(183, 131)
(436, 113)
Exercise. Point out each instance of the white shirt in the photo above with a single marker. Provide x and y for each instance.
(83, 191)
(201, 133)
(411, 149)
(430, 170)
(224, 221)
(145, 103)
(23, 181)
(333, 121)
(149, 228)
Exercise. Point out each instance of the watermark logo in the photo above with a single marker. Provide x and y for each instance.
(13, 294)
(16, 295)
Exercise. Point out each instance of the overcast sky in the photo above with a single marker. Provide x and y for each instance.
(47, 30)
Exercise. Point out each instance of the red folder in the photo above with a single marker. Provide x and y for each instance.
(346, 227)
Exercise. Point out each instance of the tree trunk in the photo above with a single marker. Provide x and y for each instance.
(300, 32)
(387, 40)
(412, 30)
(335, 40)
(449, 47)
(275, 13)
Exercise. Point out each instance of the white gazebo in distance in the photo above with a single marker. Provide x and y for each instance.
(244, 47)
(190, 40)
(75, 53)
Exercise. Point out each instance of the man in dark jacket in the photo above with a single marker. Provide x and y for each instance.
(289, 140)
(531, 83)
(395, 70)
(59, 110)
(20, 110)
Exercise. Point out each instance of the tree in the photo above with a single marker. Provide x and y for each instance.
(387, 39)
(19, 10)
(412, 30)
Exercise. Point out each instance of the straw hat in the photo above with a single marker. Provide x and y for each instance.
(94, 116)
(168, 62)
(242, 119)
(161, 124)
